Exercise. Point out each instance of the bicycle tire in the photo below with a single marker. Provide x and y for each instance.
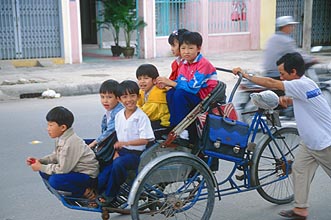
(175, 188)
(270, 172)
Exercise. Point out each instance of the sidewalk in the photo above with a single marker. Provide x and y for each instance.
(85, 78)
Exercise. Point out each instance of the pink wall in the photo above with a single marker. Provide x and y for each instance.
(228, 43)
(74, 31)
(225, 42)
(148, 45)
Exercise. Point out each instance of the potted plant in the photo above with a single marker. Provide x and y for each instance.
(111, 19)
(131, 23)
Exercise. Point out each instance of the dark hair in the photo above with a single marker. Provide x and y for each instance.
(191, 38)
(293, 61)
(109, 86)
(127, 87)
(147, 70)
(176, 35)
(61, 116)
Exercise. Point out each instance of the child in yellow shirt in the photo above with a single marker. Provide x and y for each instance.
(152, 99)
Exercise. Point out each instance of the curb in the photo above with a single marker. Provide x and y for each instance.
(47, 62)
(31, 91)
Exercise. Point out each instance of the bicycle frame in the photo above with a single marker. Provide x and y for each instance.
(258, 124)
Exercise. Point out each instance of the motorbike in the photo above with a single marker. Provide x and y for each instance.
(320, 73)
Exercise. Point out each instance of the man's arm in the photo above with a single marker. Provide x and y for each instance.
(262, 81)
(285, 101)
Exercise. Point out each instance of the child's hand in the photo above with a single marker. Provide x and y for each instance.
(118, 145)
(93, 144)
(165, 81)
(30, 160)
(160, 85)
(115, 155)
(33, 163)
(36, 166)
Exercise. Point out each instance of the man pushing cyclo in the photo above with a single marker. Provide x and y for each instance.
(313, 118)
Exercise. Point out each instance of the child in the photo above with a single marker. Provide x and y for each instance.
(110, 102)
(152, 99)
(196, 79)
(134, 131)
(72, 167)
(173, 40)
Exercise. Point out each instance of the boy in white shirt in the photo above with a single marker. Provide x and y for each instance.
(134, 131)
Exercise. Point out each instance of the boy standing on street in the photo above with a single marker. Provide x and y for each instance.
(313, 118)
(72, 166)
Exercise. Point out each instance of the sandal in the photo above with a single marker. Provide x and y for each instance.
(104, 200)
(290, 214)
(91, 195)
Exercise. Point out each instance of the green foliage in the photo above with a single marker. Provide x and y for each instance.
(117, 14)
(131, 22)
(112, 16)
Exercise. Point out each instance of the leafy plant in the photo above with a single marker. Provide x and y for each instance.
(119, 14)
(131, 22)
(112, 17)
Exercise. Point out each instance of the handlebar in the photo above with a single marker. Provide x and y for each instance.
(224, 70)
(235, 86)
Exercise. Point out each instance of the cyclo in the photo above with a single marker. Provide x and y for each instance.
(179, 181)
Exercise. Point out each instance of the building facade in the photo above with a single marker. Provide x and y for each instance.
(57, 29)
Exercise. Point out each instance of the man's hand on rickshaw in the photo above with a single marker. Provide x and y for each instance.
(237, 70)
(285, 101)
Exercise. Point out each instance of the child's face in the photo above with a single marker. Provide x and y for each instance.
(146, 83)
(55, 130)
(175, 48)
(129, 101)
(108, 100)
(189, 52)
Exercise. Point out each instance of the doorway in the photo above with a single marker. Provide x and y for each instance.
(88, 21)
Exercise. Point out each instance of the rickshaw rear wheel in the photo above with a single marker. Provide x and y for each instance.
(175, 188)
(271, 170)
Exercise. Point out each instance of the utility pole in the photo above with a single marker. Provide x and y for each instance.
(307, 23)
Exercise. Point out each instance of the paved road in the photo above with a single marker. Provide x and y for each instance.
(23, 196)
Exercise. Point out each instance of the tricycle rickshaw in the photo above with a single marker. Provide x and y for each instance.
(176, 180)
